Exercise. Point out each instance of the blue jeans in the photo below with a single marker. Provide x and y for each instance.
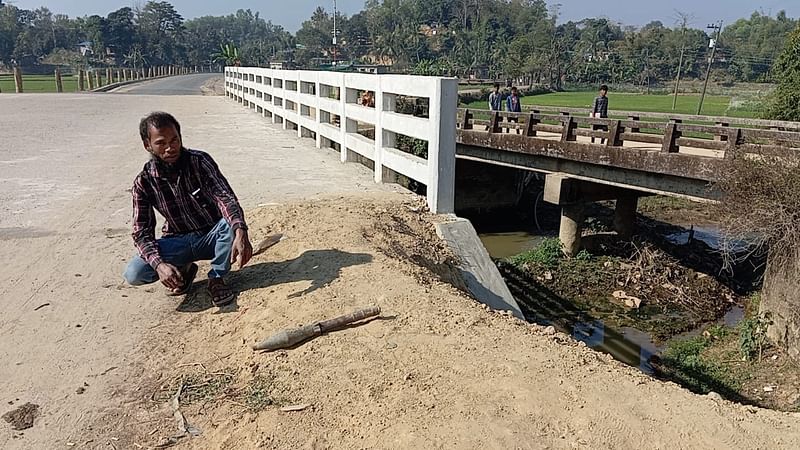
(183, 249)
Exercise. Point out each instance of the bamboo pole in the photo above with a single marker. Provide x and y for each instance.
(59, 84)
(18, 79)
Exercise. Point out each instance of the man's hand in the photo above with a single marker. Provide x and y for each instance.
(170, 276)
(242, 249)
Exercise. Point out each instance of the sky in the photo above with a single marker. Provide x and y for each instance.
(291, 13)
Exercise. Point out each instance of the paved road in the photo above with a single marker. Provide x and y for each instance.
(180, 85)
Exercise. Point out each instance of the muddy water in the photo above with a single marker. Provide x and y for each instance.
(629, 345)
(505, 245)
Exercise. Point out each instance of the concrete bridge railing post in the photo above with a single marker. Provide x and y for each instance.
(442, 148)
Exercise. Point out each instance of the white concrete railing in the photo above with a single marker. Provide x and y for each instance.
(310, 101)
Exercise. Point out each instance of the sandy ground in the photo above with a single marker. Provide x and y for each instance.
(435, 371)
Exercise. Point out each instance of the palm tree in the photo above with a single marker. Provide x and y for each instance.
(228, 54)
(135, 56)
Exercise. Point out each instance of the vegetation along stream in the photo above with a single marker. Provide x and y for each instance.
(632, 299)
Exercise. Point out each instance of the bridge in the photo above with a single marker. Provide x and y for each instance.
(586, 159)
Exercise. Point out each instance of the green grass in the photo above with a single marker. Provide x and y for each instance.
(714, 105)
(547, 254)
(685, 362)
(39, 83)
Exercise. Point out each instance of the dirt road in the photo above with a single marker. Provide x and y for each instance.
(437, 371)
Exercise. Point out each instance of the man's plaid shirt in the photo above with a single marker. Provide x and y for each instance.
(192, 195)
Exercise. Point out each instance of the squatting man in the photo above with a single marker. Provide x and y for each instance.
(203, 218)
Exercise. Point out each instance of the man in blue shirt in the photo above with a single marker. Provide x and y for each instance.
(496, 99)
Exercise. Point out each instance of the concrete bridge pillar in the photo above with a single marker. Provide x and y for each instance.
(571, 228)
(572, 194)
(625, 216)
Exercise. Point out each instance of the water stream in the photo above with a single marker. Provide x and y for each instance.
(629, 345)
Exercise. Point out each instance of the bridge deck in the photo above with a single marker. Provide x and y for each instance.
(695, 153)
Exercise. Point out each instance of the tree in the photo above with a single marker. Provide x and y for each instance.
(119, 31)
(259, 41)
(9, 30)
(161, 32)
(751, 45)
(315, 36)
(785, 101)
(228, 54)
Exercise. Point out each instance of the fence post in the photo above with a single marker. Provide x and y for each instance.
(671, 136)
(734, 138)
(59, 85)
(635, 119)
(343, 156)
(530, 127)
(614, 130)
(81, 80)
(383, 139)
(90, 79)
(494, 122)
(18, 79)
(568, 133)
(724, 135)
(442, 146)
(466, 124)
(98, 79)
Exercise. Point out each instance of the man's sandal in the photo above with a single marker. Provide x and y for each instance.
(188, 279)
(221, 294)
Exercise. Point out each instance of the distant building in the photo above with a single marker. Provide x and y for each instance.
(85, 48)
(371, 68)
(284, 65)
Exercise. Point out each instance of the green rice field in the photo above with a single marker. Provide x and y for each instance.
(39, 83)
(714, 105)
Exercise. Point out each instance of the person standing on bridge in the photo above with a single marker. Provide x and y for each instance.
(513, 105)
(600, 110)
(203, 218)
(496, 99)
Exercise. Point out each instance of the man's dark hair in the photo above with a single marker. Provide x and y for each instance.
(497, 85)
(604, 87)
(513, 88)
(157, 120)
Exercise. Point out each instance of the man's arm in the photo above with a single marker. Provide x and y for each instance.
(222, 193)
(144, 226)
(594, 106)
(228, 204)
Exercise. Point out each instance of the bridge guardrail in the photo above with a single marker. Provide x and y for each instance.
(325, 105)
(718, 141)
(720, 120)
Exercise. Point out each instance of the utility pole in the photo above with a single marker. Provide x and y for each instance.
(713, 44)
(334, 32)
(685, 19)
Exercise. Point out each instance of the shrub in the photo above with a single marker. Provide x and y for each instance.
(547, 254)
(784, 104)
